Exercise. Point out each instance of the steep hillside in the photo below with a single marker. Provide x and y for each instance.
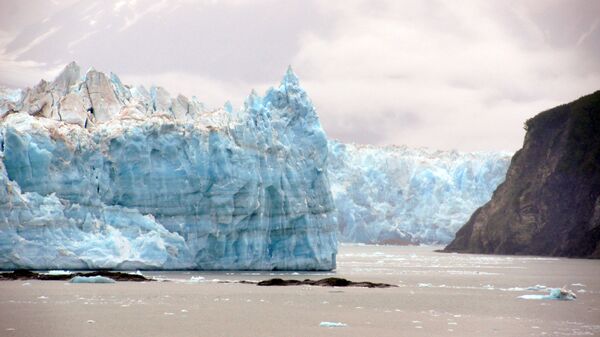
(550, 201)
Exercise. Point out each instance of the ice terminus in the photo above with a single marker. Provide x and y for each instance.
(98, 174)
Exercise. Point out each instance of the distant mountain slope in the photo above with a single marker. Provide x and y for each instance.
(550, 201)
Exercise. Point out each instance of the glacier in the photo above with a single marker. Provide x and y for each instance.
(401, 195)
(95, 174)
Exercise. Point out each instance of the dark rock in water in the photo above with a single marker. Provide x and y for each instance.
(550, 201)
(117, 276)
(29, 275)
(326, 282)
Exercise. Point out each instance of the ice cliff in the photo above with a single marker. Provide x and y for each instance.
(399, 195)
(98, 174)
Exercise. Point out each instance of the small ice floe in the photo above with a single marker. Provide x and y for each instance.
(332, 324)
(578, 285)
(91, 321)
(196, 279)
(537, 287)
(92, 279)
(183, 310)
(169, 313)
(425, 285)
(26, 284)
(43, 297)
(11, 329)
(58, 272)
(562, 294)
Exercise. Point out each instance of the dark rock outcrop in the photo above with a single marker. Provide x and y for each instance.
(326, 282)
(550, 201)
(22, 274)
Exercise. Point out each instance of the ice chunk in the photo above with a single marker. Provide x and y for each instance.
(537, 287)
(333, 324)
(92, 279)
(59, 272)
(196, 279)
(554, 294)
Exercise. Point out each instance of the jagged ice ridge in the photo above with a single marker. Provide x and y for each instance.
(97, 174)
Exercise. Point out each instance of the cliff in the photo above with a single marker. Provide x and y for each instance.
(550, 201)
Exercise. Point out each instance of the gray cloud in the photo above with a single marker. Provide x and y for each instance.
(421, 73)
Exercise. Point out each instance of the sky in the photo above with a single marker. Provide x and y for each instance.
(461, 75)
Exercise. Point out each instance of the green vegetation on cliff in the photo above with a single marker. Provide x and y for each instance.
(550, 201)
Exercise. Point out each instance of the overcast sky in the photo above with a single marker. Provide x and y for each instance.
(442, 74)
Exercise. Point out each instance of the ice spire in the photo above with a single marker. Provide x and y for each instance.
(290, 77)
(253, 101)
(228, 107)
(67, 77)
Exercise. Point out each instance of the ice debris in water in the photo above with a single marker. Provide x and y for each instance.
(333, 324)
(196, 279)
(562, 294)
(59, 272)
(537, 287)
(92, 279)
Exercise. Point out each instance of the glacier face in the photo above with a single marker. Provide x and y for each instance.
(96, 174)
(399, 195)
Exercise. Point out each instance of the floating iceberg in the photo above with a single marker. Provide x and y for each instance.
(97, 174)
(332, 325)
(399, 195)
(59, 272)
(92, 279)
(553, 294)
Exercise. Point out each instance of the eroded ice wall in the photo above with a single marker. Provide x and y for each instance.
(96, 174)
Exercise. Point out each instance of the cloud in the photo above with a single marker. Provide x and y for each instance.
(433, 73)
(461, 69)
